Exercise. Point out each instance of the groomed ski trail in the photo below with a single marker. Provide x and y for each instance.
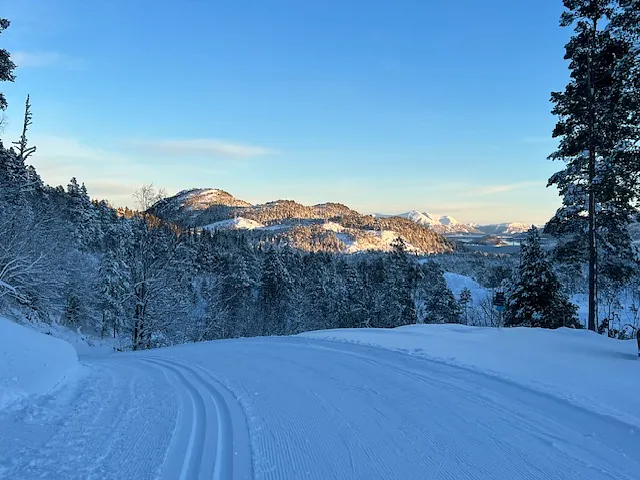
(207, 421)
(297, 408)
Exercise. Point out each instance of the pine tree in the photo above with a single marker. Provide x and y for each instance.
(465, 299)
(440, 303)
(14, 177)
(598, 141)
(6, 65)
(275, 294)
(536, 299)
(402, 283)
(114, 285)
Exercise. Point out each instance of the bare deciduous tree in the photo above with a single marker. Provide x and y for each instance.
(148, 195)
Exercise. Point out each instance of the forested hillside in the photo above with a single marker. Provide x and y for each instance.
(328, 227)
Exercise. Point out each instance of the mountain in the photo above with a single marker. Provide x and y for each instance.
(449, 221)
(443, 225)
(504, 228)
(326, 227)
(447, 225)
(190, 207)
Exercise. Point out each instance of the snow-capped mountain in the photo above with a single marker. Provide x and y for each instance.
(421, 218)
(513, 228)
(448, 225)
(449, 221)
(443, 224)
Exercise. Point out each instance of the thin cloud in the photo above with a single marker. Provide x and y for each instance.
(26, 59)
(495, 189)
(204, 147)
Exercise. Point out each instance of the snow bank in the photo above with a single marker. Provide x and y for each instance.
(31, 363)
(84, 344)
(585, 369)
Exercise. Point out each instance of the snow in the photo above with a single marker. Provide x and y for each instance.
(373, 240)
(420, 218)
(31, 363)
(84, 344)
(513, 228)
(457, 283)
(588, 370)
(432, 401)
(238, 223)
(449, 221)
(199, 198)
(332, 226)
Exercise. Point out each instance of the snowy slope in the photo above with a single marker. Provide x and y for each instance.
(449, 221)
(31, 363)
(444, 224)
(306, 408)
(457, 283)
(513, 228)
(448, 225)
(422, 218)
(238, 223)
(202, 198)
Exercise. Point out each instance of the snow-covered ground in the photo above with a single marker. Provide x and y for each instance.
(238, 223)
(31, 363)
(590, 371)
(436, 402)
(457, 283)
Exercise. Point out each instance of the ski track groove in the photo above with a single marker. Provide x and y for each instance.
(204, 389)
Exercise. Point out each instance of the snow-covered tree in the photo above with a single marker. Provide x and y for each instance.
(598, 136)
(441, 305)
(536, 298)
(465, 299)
(6, 65)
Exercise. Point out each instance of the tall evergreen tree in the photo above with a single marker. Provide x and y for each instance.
(598, 137)
(275, 294)
(536, 299)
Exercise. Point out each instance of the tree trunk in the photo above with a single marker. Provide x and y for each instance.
(593, 253)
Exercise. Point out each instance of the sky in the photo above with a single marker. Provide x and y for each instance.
(386, 107)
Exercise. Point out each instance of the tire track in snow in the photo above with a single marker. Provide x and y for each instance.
(208, 396)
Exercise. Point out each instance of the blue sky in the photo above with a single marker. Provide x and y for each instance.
(384, 106)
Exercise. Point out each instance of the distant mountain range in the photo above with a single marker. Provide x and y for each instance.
(327, 227)
(448, 225)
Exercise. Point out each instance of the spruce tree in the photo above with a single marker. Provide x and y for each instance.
(536, 299)
(441, 305)
(465, 299)
(598, 137)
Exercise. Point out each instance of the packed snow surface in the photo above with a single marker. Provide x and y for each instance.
(31, 363)
(423, 402)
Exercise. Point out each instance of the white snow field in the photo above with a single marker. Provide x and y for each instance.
(310, 408)
(31, 363)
